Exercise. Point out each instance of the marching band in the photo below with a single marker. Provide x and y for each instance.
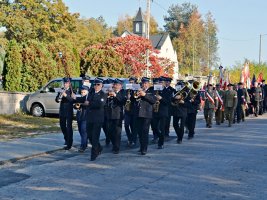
(143, 105)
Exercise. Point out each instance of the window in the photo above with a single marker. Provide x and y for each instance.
(55, 85)
(137, 27)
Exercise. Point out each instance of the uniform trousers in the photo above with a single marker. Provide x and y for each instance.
(142, 129)
(191, 123)
(158, 126)
(178, 124)
(115, 127)
(66, 128)
(93, 131)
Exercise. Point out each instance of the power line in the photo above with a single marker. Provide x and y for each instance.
(237, 40)
(159, 5)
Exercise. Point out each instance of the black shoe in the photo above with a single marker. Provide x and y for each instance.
(179, 141)
(154, 141)
(143, 153)
(100, 150)
(116, 151)
(81, 150)
(139, 151)
(209, 126)
(107, 142)
(93, 158)
(67, 148)
(190, 137)
(229, 125)
(160, 147)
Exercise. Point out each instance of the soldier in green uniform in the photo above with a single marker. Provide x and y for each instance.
(230, 103)
(210, 105)
(220, 109)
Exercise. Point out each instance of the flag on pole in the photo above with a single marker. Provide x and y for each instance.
(260, 78)
(253, 80)
(221, 76)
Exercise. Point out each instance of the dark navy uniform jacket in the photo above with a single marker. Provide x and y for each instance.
(95, 109)
(164, 103)
(81, 113)
(66, 104)
(143, 107)
(115, 106)
(192, 107)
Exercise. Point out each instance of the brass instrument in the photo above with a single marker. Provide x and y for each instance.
(194, 89)
(128, 102)
(183, 93)
(60, 96)
(77, 106)
(156, 105)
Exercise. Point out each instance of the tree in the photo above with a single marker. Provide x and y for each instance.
(177, 15)
(12, 68)
(102, 60)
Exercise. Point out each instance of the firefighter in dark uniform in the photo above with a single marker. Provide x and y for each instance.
(106, 124)
(128, 115)
(154, 122)
(81, 116)
(242, 102)
(117, 99)
(171, 92)
(160, 113)
(143, 108)
(179, 111)
(193, 105)
(65, 98)
(95, 116)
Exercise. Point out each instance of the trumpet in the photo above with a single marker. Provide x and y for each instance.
(61, 94)
(128, 102)
(194, 89)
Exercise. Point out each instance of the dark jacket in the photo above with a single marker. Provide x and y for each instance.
(143, 106)
(179, 109)
(66, 104)
(115, 105)
(164, 104)
(81, 113)
(193, 106)
(95, 109)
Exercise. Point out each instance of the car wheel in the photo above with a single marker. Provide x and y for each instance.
(37, 110)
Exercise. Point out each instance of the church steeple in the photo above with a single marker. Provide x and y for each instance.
(139, 24)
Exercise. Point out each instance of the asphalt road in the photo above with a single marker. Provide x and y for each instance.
(219, 163)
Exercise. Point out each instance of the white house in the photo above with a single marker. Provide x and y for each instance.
(161, 42)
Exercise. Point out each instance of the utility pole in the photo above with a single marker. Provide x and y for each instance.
(260, 52)
(147, 34)
(260, 47)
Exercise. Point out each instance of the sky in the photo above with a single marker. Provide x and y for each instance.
(240, 22)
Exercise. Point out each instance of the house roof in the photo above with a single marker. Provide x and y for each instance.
(139, 16)
(158, 40)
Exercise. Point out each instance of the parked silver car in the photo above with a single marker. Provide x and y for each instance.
(43, 102)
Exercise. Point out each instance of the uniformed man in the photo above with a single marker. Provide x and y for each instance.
(143, 108)
(128, 115)
(95, 116)
(193, 105)
(81, 116)
(242, 102)
(264, 96)
(106, 124)
(257, 97)
(179, 112)
(65, 98)
(210, 105)
(117, 98)
(160, 113)
(230, 103)
(171, 92)
(219, 114)
(86, 82)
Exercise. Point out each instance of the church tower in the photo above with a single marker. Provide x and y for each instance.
(139, 24)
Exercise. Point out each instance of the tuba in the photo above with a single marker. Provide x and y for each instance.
(183, 93)
(194, 89)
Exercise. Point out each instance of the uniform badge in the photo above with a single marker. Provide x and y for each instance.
(102, 99)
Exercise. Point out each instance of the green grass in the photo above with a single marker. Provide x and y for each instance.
(21, 125)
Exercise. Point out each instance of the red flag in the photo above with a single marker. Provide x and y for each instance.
(260, 78)
(221, 76)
